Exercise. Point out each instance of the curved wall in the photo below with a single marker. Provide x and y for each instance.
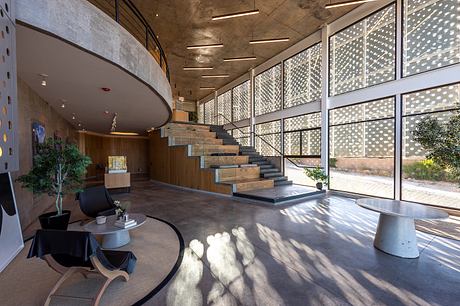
(81, 23)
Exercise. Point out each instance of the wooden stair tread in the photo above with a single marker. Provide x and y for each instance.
(250, 180)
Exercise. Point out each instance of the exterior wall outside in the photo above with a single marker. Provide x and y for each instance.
(33, 108)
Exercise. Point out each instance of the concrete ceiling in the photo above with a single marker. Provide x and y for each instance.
(77, 77)
(188, 22)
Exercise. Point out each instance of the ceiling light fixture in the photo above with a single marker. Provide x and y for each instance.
(43, 76)
(234, 15)
(215, 76)
(236, 59)
(73, 117)
(125, 133)
(207, 88)
(198, 68)
(271, 40)
(346, 3)
(205, 46)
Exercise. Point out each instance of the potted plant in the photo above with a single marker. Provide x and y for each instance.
(318, 175)
(57, 170)
(442, 143)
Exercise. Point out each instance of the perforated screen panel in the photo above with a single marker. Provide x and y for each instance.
(224, 108)
(209, 112)
(8, 94)
(267, 91)
(269, 141)
(302, 77)
(431, 34)
(200, 112)
(363, 54)
(240, 101)
(242, 135)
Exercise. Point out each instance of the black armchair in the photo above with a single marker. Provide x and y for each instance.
(70, 252)
(96, 201)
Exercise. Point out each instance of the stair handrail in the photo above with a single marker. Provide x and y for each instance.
(279, 152)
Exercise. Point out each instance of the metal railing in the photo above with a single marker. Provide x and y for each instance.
(125, 13)
(266, 142)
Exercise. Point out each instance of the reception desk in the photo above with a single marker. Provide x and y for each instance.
(117, 180)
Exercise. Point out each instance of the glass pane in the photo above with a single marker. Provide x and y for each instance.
(200, 111)
(302, 77)
(311, 142)
(224, 108)
(437, 99)
(431, 37)
(423, 180)
(270, 132)
(364, 53)
(209, 115)
(268, 91)
(302, 122)
(297, 174)
(241, 108)
(362, 149)
(292, 143)
(378, 109)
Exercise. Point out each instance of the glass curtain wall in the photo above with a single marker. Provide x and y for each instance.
(364, 54)
(209, 113)
(302, 77)
(240, 101)
(242, 135)
(361, 148)
(224, 108)
(267, 91)
(302, 146)
(431, 35)
(423, 180)
(200, 112)
(270, 132)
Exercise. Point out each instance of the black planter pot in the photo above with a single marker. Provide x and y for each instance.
(53, 221)
(319, 186)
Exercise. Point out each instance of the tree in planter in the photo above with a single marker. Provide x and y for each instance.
(318, 175)
(442, 142)
(57, 170)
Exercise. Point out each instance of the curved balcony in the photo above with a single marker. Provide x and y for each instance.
(125, 13)
(84, 48)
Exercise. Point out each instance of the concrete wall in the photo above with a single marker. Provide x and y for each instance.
(81, 23)
(33, 108)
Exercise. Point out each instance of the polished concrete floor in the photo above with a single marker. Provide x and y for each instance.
(317, 252)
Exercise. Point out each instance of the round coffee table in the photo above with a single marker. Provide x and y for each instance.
(114, 236)
(396, 229)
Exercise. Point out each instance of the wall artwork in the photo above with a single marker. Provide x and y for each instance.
(38, 136)
(10, 229)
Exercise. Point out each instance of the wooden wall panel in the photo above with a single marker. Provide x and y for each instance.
(99, 147)
(172, 165)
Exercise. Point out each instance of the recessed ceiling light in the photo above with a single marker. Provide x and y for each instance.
(63, 105)
(156, 15)
(198, 68)
(73, 117)
(207, 88)
(272, 40)
(124, 133)
(79, 124)
(215, 76)
(43, 76)
(346, 3)
(234, 15)
(205, 46)
(235, 59)
(106, 112)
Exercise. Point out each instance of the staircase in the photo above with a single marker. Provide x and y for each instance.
(267, 169)
(219, 168)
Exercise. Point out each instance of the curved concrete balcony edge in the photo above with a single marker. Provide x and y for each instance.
(83, 25)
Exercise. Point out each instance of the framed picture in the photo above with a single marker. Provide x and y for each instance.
(38, 136)
(11, 240)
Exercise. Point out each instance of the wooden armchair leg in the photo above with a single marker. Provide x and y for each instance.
(65, 276)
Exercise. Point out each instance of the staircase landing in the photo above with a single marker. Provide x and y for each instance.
(280, 194)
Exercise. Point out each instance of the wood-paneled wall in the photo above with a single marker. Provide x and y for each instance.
(172, 165)
(99, 147)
